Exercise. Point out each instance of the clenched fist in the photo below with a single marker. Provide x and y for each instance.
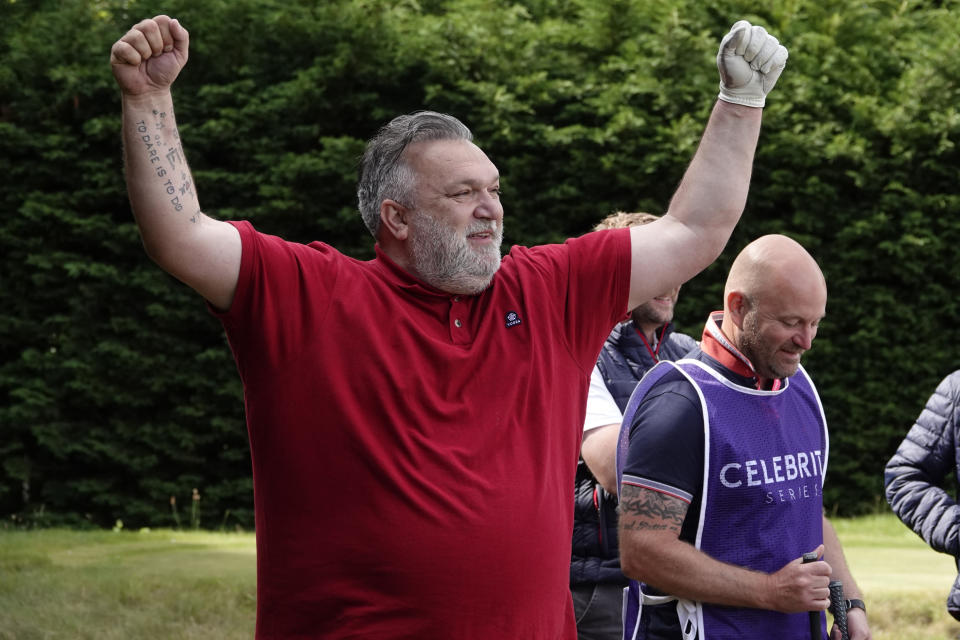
(750, 61)
(150, 56)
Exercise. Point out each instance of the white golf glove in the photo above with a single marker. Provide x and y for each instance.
(750, 61)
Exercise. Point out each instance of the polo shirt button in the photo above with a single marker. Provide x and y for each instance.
(456, 298)
(458, 323)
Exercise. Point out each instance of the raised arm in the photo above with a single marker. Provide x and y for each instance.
(201, 252)
(713, 192)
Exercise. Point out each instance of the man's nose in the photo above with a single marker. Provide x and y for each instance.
(804, 337)
(488, 206)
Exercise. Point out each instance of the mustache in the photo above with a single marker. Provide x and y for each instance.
(484, 227)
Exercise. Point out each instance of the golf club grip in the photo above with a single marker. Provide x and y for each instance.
(839, 606)
(815, 634)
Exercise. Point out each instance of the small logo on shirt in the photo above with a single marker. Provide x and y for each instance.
(513, 319)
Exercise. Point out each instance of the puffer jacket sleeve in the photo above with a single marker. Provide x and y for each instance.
(913, 475)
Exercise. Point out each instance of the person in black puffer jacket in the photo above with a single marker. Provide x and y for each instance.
(914, 476)
(632, 348)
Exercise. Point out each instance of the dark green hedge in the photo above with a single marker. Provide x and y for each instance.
(117, 389)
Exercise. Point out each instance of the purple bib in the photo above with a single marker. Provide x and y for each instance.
(762, 505)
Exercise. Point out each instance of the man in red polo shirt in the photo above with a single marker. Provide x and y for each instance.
(414, 420)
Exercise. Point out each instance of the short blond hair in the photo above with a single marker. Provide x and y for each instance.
(622, 220)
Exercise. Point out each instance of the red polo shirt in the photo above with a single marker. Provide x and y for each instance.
(413, 451)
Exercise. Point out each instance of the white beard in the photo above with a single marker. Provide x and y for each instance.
(445, 259)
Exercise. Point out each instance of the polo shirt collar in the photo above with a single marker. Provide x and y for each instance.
(716, 345)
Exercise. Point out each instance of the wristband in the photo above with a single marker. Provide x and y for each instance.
(854, 603)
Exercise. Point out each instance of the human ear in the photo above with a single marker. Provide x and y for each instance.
(737, 307)
(393, 219)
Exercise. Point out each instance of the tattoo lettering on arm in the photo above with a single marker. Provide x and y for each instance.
(648, 510)
(175, 157)
(152, 144)
(158, 150)
(185, 188)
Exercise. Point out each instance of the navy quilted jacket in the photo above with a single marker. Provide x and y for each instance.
(623, 361)
(914, 475)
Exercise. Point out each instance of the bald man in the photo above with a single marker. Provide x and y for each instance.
(721, 462)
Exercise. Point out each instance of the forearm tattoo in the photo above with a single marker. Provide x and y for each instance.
(647, 510)
(163, 148)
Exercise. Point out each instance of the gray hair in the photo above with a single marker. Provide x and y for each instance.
(383, 171)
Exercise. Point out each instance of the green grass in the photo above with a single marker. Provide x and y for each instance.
(905, 583)
(161, 584)
(176, 585)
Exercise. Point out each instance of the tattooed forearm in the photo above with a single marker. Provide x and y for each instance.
(643, 525)
(643, 509)
(162, 142)
(152, 143)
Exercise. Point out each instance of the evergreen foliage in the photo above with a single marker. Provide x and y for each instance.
(117, 388)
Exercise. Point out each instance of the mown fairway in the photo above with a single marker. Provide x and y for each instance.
(153, 585)
(195, 585)
(905, 584)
